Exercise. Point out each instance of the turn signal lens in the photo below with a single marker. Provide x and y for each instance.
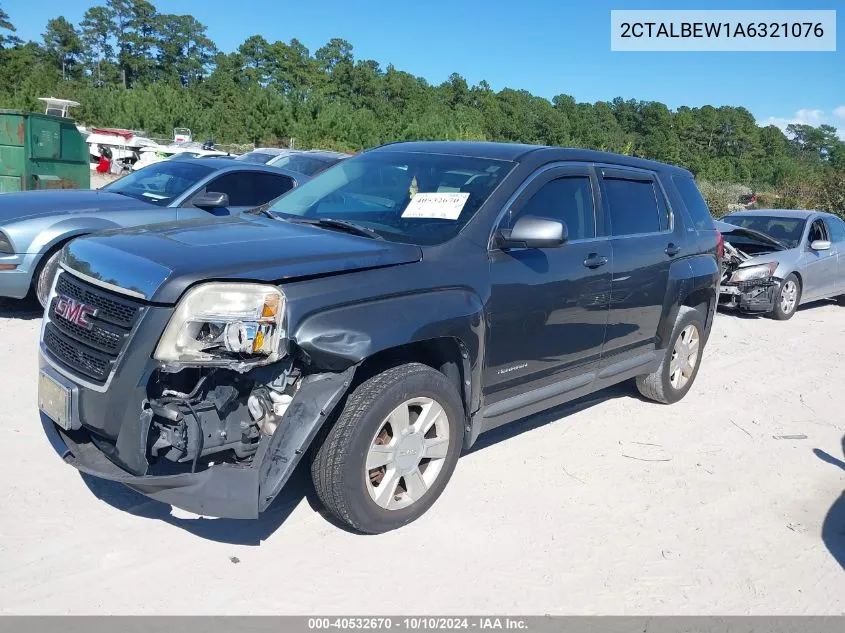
(271, 306)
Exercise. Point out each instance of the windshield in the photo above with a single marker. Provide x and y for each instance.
(160, 183)
(787, 231)
(262, 158)
(403, 196)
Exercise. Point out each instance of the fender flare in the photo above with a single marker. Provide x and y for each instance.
(337, 338)
(691, 277)
(67, 229)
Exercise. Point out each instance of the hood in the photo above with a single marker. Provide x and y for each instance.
(725, 228)
(786, 261)
(29, 204)
(160, 262)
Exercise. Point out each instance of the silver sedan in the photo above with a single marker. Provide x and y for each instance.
(35, 225)
(775, 260)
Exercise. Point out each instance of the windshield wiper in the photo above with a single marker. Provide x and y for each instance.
(264, 210)
(344, 225)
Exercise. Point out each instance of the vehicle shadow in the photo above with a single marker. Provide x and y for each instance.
(815, 304)
(232, 531)
(253, 532)
(739, 314)
(762, 315)
(625, 389)
(22, 309)
(833, 528)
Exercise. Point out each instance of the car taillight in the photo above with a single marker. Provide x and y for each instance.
(720, 245)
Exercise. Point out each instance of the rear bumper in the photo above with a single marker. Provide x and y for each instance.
(749, 297)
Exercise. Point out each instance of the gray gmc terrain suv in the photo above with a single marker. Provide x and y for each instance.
(377, 319)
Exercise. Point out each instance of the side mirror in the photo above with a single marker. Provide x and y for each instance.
(533, 232)
(820, 245)
(211, 200)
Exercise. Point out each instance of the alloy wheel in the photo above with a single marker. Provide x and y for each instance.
(684, 357)
(788, 296)
(407, 453)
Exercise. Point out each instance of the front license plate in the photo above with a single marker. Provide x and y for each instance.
(54, 400)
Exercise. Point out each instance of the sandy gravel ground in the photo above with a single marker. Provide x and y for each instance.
(99, 180)
(730, 502)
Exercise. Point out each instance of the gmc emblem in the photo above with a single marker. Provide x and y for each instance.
(74, 311)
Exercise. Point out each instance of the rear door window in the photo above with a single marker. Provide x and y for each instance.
(633, 207)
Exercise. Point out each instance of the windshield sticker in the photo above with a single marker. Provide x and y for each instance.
(154, 196)
(437, 206)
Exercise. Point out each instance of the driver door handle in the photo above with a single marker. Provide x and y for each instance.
(672, 249)
(594, 260)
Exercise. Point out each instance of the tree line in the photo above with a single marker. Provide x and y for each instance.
(131, 66)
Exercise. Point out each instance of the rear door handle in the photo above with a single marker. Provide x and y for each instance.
(672, 250)
(594, 260)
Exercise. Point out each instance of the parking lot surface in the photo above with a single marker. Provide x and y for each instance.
(730, 502)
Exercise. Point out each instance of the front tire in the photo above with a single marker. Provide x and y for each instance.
(680, 364)
(46, 274)
(392, 450)
(787, 298)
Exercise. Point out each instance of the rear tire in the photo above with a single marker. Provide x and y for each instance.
(401, 429)
(678, 369)
(43, 282)
(787, 298)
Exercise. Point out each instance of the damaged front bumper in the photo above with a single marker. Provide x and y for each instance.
(227, 490)
(757, 295)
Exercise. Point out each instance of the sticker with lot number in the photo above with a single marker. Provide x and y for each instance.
(437, 206)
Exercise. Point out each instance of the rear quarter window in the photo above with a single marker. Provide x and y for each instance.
(694, 202)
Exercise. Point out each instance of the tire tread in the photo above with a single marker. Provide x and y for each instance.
(330, 458)
(651, 385)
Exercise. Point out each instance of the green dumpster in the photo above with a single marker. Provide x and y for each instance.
(38, 151)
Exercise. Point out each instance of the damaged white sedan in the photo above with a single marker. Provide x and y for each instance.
(774, 260)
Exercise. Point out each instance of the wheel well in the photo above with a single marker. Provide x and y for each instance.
(47, 255)
(446, 355)
(701, 300)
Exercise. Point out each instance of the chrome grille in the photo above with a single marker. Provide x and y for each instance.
(110, 307)
(91, 352)
(77, 357)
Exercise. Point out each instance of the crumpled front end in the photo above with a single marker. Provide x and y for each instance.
(210, 440)
(749, 295)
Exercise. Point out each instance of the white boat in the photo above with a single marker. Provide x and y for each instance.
(130, 149)
(125, 145)
(182, 135)
(152, 155)
(61, 108)
(58, 107)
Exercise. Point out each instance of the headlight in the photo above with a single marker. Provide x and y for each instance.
(235, 325)
(762, 271)
(6, 247)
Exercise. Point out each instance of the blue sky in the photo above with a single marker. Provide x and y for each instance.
(545, 46)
